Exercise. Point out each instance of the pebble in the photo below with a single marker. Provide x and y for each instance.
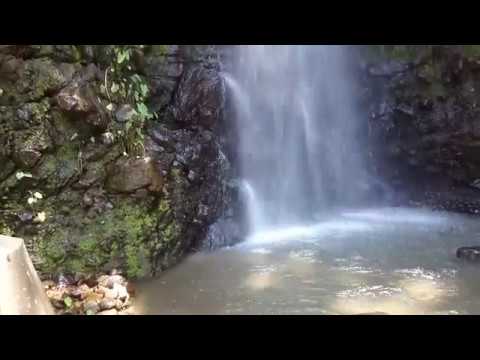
(107, 304)
(91, 306)
(115, 280)
(110, 293)
(107, 295)
(122, 292)
(48, 284)
(81, 292)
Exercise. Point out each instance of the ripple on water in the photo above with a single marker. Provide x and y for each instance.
(369, 291)
(261, 251)
(421, 273)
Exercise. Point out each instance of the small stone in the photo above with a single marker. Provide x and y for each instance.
(191, 175)
(57, 304)
(110, 293)
(107, 304)
(26, 217)
(103, 280)
(108, 138)
(122, 292)
(119, 305)
(91, 282)
(125, 113)
(115, 279)
(87, 199)
(48, 284)
(81, 292)
(91, 307)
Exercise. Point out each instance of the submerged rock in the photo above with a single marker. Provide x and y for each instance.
(469, 253)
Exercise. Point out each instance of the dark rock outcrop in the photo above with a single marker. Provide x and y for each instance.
(469, 253)
(423, 124)
(61, 138)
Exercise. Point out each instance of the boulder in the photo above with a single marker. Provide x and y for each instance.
(469, 253)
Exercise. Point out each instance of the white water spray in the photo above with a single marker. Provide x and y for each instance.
(299, 149)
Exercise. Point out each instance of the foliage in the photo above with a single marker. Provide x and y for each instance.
(123, 85)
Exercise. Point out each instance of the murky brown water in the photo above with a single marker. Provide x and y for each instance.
(397, 261)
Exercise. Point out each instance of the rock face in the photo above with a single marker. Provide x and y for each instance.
(424, 115)
(66, 184)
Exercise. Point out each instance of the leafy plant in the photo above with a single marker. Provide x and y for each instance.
(124, 85)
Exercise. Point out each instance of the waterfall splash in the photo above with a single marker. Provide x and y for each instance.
(299, 149)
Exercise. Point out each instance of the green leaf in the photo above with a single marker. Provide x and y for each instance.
(68, 302)
(142, 109)
(136, 78)
(122, 56)
(144, 89)
(115, 88)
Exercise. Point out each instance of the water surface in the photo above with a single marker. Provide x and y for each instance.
(397, 261)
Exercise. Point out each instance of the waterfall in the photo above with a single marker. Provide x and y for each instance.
(299, 149)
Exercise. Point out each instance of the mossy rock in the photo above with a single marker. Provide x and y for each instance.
(118, 238)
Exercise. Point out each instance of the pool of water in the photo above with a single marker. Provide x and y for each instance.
(390, 260)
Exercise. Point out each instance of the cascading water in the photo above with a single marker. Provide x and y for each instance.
(299, 149)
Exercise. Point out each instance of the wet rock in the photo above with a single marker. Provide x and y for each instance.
(27, 158)
(199, 98)
(224, 232)
(471, 254)
(129, 175)
(125, 113)
(73, 98)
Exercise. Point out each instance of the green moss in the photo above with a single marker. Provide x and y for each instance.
(164, 205)
(120, 236)
(40, 77)
(51, 252)
(5, 229)
(471, 50)
(170, 232)
(56, 170)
